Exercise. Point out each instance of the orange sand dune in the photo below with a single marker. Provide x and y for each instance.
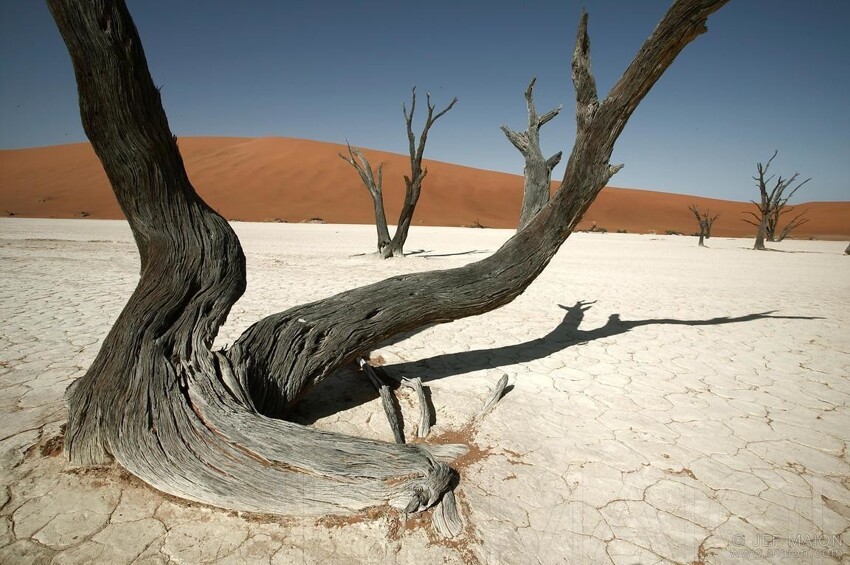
(294, 180)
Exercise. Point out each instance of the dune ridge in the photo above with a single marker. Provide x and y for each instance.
(293, 180)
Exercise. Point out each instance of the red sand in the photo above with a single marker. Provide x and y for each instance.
(295, 180)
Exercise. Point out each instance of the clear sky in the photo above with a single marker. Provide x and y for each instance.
(769, 74)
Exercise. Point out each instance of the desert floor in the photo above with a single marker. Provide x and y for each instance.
(669, 403)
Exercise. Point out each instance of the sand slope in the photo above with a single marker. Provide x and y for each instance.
(294, 180)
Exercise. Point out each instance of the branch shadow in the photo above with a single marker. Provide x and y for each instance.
(348, 388)
(565, 334)
(416, 252)
(427, 253)
(470, 252)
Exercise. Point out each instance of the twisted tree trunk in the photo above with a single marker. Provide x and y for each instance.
(194, 422)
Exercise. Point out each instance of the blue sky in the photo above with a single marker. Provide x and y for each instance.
(769, 74)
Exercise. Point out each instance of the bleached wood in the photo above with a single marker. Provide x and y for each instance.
(447, 520)
(386, 399)
(494, 397)
(424, 425)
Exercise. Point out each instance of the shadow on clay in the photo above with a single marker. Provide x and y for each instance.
(566, 334)
(348, 388)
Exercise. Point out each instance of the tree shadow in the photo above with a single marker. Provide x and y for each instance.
(470, 252)
(429, 253)
(566, 334)
(348, 388)
(416, 252)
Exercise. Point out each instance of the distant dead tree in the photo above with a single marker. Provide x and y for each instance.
(711, 220)
(538, 169)
(209, 424)
(413, 183)
(373, 183)
(773, 205)
(705, 221)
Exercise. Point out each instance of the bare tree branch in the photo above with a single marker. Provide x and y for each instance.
(702, 220)
(424, 427)
(711, 219)
(773, 204)
(413, 183)
(387, 246)
(537, 174)
(583, 80)
(795, 222)
(374, 186)
(387, 400)
(493, 398)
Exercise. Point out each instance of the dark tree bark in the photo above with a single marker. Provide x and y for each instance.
(702, 220)
(194, 422)
(772, 204)
(705, 221)
(538, 170)
(413, 184)
(711, 219)
(373, 184)
(792, 224)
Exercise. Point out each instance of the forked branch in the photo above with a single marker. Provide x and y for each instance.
(705, 221)
(538, 169)
(793, 224)
(773, 204)
(413, 182)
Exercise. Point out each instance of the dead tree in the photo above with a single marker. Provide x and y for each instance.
(711, 219)
(413, 183)
(373, 183)
(705, 221)
(792, 224)
(207, 425)
(538, 170)
(772, 205)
